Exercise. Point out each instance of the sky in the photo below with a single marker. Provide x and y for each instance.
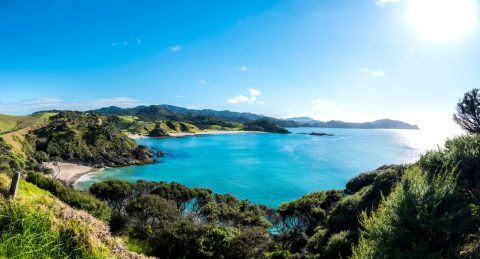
(352, 60)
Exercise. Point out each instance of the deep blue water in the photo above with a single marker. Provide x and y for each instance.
(270, 168)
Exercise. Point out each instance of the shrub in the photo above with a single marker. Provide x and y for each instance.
(75, 198)
(460, 153)
(151, 214)
(308, 212)
(282, 254)
(114, 192)
(424, 217)
(339, 245)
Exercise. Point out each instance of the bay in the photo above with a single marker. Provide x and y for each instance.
(273, 168)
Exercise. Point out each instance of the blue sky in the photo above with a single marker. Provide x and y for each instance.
(353, 60)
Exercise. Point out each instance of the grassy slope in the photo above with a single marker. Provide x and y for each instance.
(11, 123)
(17, 126)
(93, 233)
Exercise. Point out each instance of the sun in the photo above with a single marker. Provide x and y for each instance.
(442, 20)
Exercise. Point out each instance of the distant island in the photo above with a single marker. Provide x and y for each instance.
(378, 124)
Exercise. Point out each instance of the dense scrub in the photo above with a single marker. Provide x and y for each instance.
(176, 221)
(75, 198)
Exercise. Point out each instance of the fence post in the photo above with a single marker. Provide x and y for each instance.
(14, 186)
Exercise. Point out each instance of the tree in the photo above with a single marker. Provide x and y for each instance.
(152, 214)
(468, 112)
(114, 192)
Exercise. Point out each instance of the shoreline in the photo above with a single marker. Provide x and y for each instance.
(201, 133)
(70, 172)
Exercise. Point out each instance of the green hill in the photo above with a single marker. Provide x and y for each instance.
(11, 123)
(85, 139)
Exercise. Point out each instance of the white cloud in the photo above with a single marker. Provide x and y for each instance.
(203, 82)
(381, 3)
(64, 103)
(242, 68)
(250, 99)
(374, 73)
(175, 48)
(242, 99)
(254, 92)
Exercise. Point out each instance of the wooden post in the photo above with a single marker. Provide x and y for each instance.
(14, 186)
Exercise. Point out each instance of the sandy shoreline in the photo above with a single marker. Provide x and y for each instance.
(201, 133)
(70, 172)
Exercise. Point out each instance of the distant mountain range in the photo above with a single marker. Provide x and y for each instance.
(170, 112)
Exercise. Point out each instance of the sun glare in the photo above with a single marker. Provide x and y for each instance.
(443, 20)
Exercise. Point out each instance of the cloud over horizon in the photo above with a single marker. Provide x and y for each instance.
(28, 106)
(250, 99)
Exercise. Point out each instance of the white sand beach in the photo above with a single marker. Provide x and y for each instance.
(70, 172)
(211, 132)
(136, 136)
(200, 133)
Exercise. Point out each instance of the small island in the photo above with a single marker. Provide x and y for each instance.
(321, 134)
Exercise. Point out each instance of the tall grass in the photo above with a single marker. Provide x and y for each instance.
(26, 233)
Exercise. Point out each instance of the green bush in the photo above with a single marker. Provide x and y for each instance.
(339, 245)
(460, 153)
(75, 198)
(282, 254)
(308, 212)
(424, 217)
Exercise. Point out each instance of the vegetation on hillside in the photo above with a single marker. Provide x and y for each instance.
(265, 125)
(85, 139)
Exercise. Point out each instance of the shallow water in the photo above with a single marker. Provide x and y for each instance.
(273, 168)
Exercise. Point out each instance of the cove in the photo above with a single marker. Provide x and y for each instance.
(271, 168)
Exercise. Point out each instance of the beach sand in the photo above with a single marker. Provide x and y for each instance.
(201, 133)
(69, 172)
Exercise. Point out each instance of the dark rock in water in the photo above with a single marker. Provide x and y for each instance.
(160, 153)
(321, 134)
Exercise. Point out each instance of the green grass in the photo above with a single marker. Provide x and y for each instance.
(218, 127)
(137, 245)
(27, 233)
(10, 123)
(38, 225)
(128, 119)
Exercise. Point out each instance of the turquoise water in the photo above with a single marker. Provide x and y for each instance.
(270, 168)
